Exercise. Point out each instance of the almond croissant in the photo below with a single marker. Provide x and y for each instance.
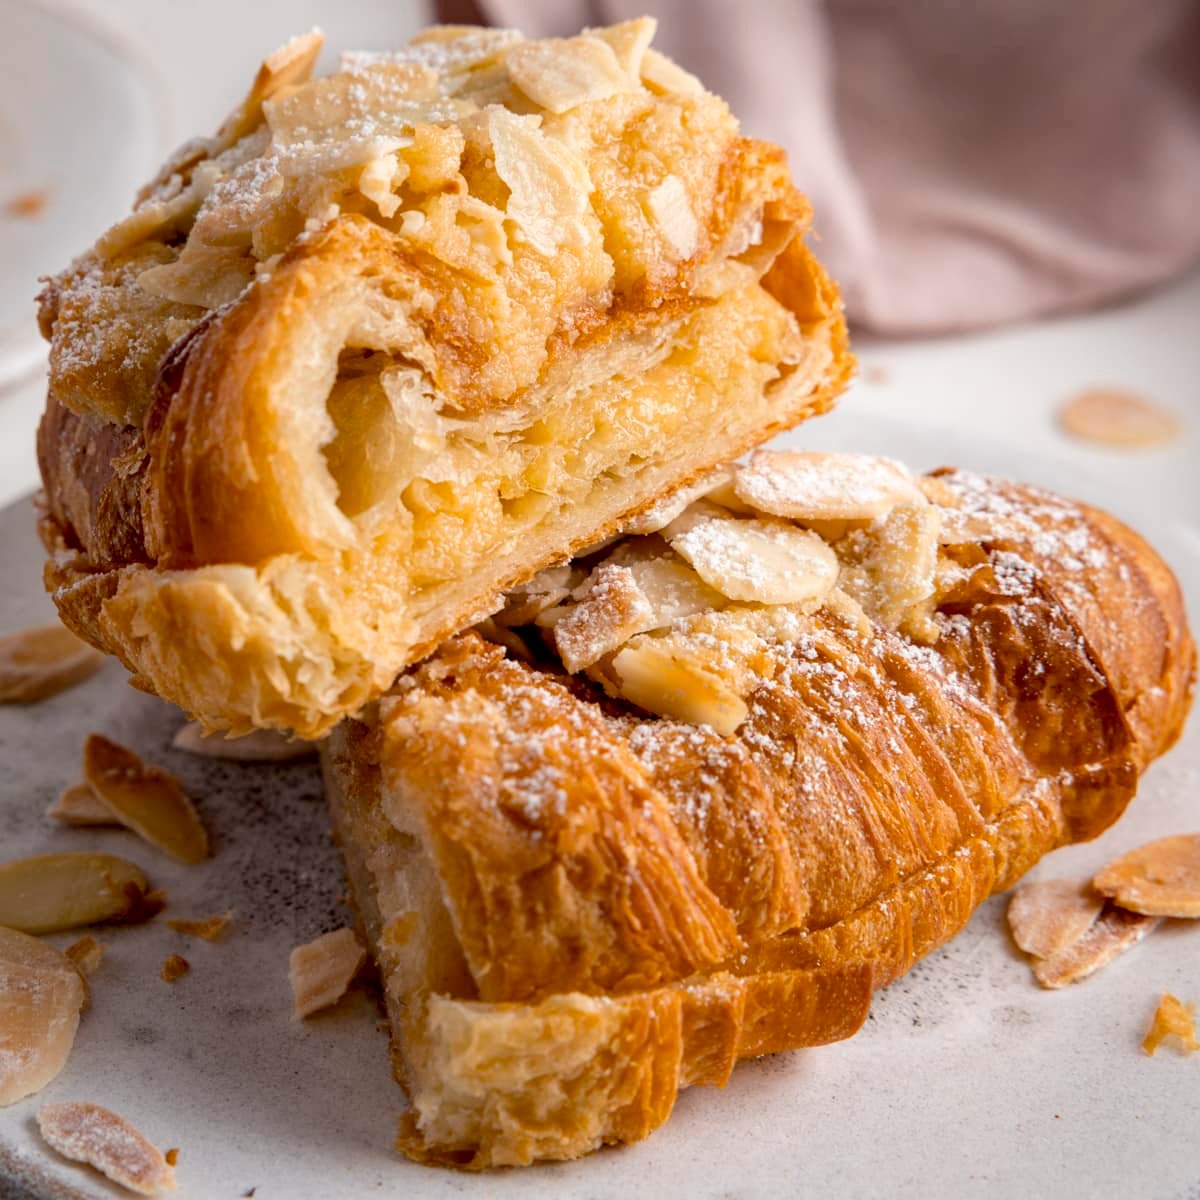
(580, 905)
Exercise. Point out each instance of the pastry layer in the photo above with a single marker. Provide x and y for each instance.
(398, 337)
(579, 908)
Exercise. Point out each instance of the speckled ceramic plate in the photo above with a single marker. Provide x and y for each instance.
(967, 1079)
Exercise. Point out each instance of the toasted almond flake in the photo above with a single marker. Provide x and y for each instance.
(41, 996)
(1161, 879)
(629, 41)
(90, 1134)
(322, 970)
(262, 745)
(79, 805)
(662, 74)
(207, 928)
(1116, 417)
(807, 485)
(560, 74)
(612, 611)
(673, 588)
(764, 562)
(545, 590)
(86, 953)
(1172, 1019)
(1047, 917)
(671, 210)
(39, 662)
(174, 967)
(1114, 932)
(548, 184)
(148, 800)
(51, 892)
(660, 514)
(649, 676)
(283, 68)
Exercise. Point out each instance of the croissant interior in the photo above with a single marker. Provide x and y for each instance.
(396, 338)
(583, 896)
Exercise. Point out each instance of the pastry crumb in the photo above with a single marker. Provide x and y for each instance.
(86, 954)
(322, 970)
(28, 206)
(1117, 417)
(174, 967)
(172, 1156)
(209, 929)
(90, 1134)
(1172, 1019)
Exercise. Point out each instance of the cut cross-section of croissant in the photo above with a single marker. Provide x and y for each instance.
(588, 891)
(397, 339)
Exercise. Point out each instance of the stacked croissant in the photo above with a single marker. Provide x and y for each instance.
(405, 413)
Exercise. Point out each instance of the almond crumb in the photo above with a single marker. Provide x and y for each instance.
(1172, 1019)
(40, 662)
(322, 970)
(86, 954)
(90, 1134)
(208, 928)
(174, 967)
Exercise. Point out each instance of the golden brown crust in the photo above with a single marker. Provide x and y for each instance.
(878, 790)
(395, 339)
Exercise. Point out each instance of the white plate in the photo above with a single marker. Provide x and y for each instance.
(79, 131)
(967, 1080)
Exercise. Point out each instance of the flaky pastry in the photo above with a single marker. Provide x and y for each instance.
(584, 895)
(398, 337)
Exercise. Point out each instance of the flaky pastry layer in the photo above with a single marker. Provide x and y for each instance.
(397, 337)
(579, 908)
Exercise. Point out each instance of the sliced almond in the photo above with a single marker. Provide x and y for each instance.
(670, 208)
(560, 73)
(613, 610)
(41, 995)
(1161, 879)
(1114, 932)
(145, 799)
(90, 1134)
(545, 590)
(1172, 1019)
(807, 485)
(673, 588)
(662, 74)
(79, 805)
(86, 954)
(322, 970)
(764, 562)
(663, 512)
(1116, 417)
(39, 662)
(207, 928)
(263, 745)
(51, 892)
(669, 685)
(1047, 917)
(629, 41)
(174, 967)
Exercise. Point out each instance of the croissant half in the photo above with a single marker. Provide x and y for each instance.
(580, 906)
(397, 337)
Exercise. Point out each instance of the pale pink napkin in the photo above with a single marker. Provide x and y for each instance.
(970, 163)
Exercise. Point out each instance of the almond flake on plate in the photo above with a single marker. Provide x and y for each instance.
(1172, 1019)
(322, 970)
(148, 800)
(90, 1134)
(39, 662)
(1114, 932)
(1116, 417)
(79, 805)
(1047, 917)
(1160, 879)
(807, 485)
(207, 928)
(51, 892)
(262, 745)
(41, 996)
